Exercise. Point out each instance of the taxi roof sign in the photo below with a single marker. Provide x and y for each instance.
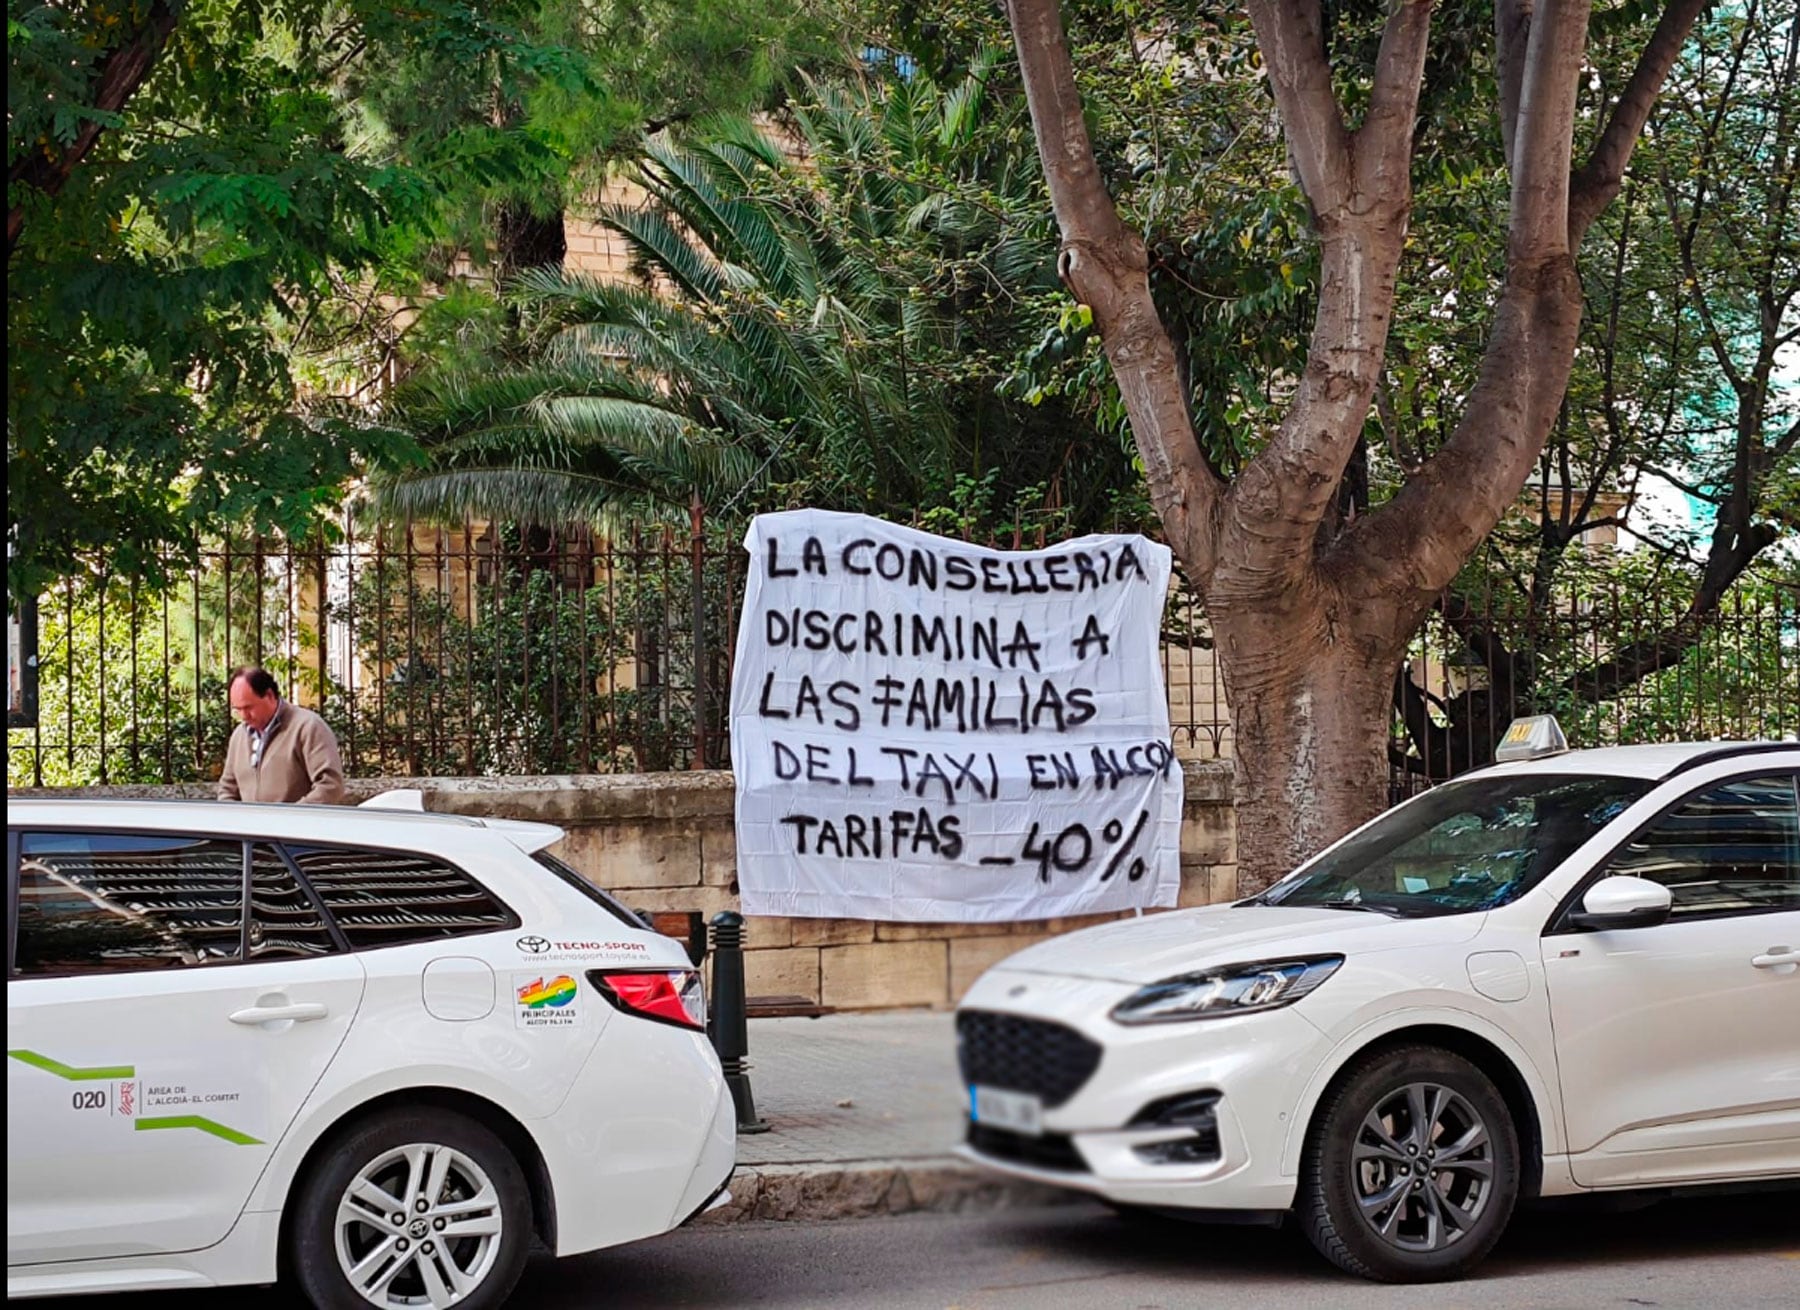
(1530, 738)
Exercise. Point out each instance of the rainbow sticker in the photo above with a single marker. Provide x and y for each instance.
(555, 994)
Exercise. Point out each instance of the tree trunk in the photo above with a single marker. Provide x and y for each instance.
(1310, 709)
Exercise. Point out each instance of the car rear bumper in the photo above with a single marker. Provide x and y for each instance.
(630, 1158)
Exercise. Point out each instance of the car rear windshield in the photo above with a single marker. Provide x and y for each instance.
(587, 888)
(1469, 845)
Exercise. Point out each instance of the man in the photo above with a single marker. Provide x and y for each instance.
(280, 752)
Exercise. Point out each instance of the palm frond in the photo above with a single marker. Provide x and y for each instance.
(659, 247)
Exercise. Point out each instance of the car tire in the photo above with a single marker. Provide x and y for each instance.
(1411, 1168)
(462, 1206)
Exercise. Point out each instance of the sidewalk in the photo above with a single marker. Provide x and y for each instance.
(864, 1111)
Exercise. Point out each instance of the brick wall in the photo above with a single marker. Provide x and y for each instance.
(665, 841)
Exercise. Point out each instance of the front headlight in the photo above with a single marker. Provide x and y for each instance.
(1233, 989)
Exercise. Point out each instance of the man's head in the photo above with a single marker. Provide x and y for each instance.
(255, 696)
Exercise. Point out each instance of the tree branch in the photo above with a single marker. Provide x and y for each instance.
(1598, 181)
(1512, 29)
(1290, 36)
(1787, 441)
(1544, 137)
(1105, 266)
(1274, 509)
(1710, 497)
(116, 76)
(1667, 647)
(1383, 144)
(1425, 532)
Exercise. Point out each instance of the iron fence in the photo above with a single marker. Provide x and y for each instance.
(492, 650)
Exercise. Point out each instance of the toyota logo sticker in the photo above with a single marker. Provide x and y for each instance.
(533, 945)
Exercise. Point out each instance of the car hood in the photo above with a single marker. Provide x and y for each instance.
(1161, 946)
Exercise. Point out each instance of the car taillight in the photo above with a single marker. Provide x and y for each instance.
(674, 996)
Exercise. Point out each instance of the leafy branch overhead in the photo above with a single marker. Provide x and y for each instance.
(826, 315)
(215, 208)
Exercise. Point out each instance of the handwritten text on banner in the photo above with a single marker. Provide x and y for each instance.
(928, 730)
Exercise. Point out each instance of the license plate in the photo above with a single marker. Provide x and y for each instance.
(1018, 1112)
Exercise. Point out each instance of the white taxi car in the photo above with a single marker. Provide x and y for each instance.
(1574, 972)
(376, 1051)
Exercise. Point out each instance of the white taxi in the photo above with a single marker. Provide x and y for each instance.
(378, 1051)
(1572, 972)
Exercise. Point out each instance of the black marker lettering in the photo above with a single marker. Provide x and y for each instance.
(1021, 641)
(842, 695)
(931, 771)
(905, 756)
(775, 569)
(801, 823)
(764, 708)
(818, 762)
(1089, 635)
(850, 566)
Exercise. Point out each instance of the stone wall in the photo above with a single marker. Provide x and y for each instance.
(665, 841)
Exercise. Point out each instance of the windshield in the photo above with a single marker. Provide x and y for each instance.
(1468, 845)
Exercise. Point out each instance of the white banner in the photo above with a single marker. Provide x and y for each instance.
(928, 730)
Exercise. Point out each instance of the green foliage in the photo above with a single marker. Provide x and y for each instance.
(1691, 276)
(121, 695)
(246, 230)
(830, 329)
(157, 276)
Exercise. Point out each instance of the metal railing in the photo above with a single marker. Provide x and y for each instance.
(494, 650)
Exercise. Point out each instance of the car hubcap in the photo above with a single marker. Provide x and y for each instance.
(418, 1226)
(1422, 1168)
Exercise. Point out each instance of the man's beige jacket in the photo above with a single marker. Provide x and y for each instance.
(300, 762)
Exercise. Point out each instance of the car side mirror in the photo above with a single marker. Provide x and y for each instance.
(1622, 902)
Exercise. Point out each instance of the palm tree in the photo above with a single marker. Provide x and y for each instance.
(824, 317)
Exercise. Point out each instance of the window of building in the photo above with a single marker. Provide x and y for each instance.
(1732, 850)
(94, 902)
(391, 898)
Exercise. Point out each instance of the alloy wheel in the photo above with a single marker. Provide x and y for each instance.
(419, 1225)
(1422, 1167)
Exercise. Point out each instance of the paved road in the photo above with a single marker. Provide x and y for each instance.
(1737, 1252)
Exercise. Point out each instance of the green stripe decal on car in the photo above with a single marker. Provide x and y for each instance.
(104, 1073)
(125, 1072)
(201, 1123)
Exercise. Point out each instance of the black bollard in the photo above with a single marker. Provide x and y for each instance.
(730, 1027)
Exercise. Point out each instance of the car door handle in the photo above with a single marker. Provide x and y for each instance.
(301, 1012)
(1781, 958)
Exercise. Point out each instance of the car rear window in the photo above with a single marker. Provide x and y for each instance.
(587, 889)
(393, 898)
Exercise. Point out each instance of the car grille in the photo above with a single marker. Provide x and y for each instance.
(1051, 1151)
(1024, 1055)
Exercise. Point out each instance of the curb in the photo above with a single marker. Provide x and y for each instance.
(862, 1188)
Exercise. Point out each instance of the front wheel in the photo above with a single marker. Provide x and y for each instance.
(1411, 1168)
(413, 1209)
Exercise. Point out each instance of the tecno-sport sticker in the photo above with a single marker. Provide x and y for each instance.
(547, 951)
